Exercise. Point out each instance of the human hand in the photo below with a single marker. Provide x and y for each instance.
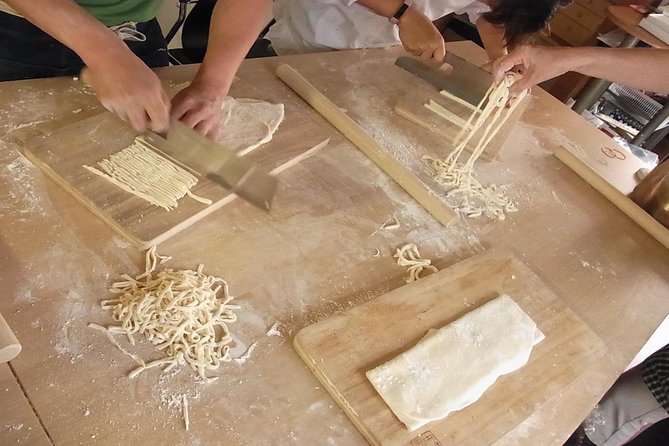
(420, 37)
(536, 64)
(130, 89)
(199, 106)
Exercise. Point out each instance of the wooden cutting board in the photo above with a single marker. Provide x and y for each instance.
(339, 350)
(412, 107)
(611, 170)
(62, 153)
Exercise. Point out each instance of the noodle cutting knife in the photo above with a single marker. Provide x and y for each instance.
(457, 76)
(208, 159)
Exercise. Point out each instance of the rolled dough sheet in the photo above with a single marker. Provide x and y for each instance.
(248, 123)
(452, 367)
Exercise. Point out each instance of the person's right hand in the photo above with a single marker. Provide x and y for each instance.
(130, 89)
(420, 37)
(536, 64)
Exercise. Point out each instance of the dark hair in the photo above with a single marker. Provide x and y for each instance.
(520, 18)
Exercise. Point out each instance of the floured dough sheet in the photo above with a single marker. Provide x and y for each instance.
(452, 367)
(248, 123)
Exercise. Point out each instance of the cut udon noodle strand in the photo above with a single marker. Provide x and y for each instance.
(178, 311)
(475, 198)
(140, 170)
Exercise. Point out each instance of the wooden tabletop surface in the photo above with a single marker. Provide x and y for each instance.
(628, 19)
(310, 258)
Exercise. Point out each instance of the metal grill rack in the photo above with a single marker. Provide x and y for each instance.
(627, 108)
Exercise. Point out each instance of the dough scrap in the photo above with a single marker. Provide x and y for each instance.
(408, 255)
(451, 368)
(248, 123)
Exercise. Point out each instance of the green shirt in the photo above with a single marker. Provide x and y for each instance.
(115, 12)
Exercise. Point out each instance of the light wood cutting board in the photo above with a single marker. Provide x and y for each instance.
(61, 154)
(339, 350)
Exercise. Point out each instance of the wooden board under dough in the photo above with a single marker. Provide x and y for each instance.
(412, 107)
(340, 349)
(61, 154)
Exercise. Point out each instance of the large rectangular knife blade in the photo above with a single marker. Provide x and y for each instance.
(460, 78)
(213, 161)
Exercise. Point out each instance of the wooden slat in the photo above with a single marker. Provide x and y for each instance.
(411, 106)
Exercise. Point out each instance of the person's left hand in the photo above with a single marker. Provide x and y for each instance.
(199, 107)
(536, 63)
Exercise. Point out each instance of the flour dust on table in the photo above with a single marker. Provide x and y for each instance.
(248, 123)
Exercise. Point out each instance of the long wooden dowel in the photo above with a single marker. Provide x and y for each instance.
(9, 345)
(349, 128)
(620, 200)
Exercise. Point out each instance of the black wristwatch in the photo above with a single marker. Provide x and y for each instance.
(400, 12)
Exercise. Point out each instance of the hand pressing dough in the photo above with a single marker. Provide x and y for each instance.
(452, 367)
(140, 170)
(248, 123)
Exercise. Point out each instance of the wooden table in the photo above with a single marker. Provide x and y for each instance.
(627, 19)
(18, 422)
(311, 257)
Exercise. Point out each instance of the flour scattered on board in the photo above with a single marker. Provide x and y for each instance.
(274, 330)
(595, 419)
(73, 306)
(25, 297)
(25, 197)
(247, 354)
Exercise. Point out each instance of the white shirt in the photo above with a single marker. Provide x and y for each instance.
(304, 26)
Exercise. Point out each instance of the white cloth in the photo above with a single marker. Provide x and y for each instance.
(304, 26)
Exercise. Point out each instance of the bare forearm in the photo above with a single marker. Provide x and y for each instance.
(68, 23)
(642, 68)
(235, 25)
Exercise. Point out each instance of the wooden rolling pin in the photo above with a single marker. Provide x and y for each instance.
(9, 345)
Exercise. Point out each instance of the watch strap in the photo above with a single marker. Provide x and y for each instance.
(400, 12)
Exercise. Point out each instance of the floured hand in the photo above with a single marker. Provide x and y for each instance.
(130, 89)
(199, 106)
